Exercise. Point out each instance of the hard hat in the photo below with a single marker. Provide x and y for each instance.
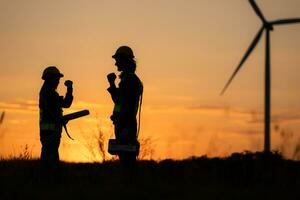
(124, 51)
(51, 71)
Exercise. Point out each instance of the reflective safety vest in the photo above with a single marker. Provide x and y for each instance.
(48, 126)
(44, 126)
(117, 108)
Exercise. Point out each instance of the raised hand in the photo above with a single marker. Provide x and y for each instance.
(68, 83)
(111, 78)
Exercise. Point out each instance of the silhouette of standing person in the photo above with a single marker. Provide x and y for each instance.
(51, 104)
(126, 98)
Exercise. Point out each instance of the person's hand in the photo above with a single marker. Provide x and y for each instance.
(111, 78)
(69, 84)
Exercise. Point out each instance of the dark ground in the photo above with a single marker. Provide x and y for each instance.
(240, 176)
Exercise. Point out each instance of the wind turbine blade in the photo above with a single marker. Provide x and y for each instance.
(285, 21)
(2, 117)
(248, 52)
(257, 10)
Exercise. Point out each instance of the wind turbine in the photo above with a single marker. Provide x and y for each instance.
(267, 26)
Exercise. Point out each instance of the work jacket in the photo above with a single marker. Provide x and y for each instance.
(126, 99)
(51, 104)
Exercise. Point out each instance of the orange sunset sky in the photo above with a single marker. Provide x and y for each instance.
(185, 51)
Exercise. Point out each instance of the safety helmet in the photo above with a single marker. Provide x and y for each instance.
(124, 51)
(51, 71)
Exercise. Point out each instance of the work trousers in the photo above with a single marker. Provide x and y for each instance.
(50, 141)
(129, 137)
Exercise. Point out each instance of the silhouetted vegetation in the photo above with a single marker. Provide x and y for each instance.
(97, 145)
(289, 145)
(239, 176)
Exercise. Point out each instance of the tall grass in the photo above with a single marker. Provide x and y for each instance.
(146, 148)
(240, 176)
(97, 145)
(25, 153)
(289, 145)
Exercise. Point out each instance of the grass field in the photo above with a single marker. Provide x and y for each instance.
(239, 176)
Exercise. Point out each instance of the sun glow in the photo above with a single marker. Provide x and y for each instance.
(185, 51)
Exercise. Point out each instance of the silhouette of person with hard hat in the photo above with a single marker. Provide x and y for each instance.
(51, 104)
(127, 99)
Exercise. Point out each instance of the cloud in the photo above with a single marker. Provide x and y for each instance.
(246, 130)
(286, 118)
(31, 106)
(249, 116)
(220, 110)
(279, 118)
(202, 109)
(16, 122)
(27, 106)
(27, 103)
(84, 104)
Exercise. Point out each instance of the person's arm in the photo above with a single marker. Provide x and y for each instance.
(68, 99)
(114, 93)
(113, 90)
